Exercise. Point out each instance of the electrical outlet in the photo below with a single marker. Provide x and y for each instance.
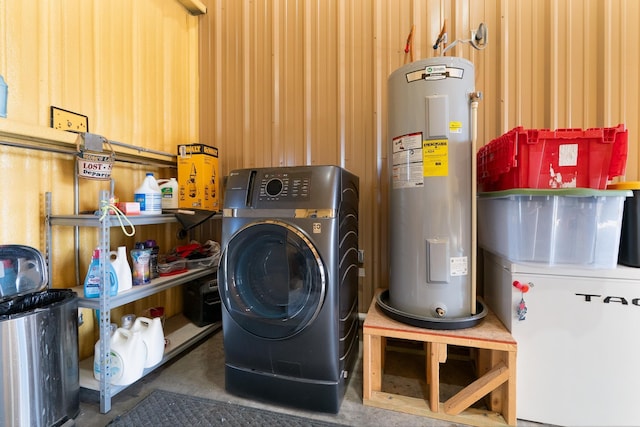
(68, 120)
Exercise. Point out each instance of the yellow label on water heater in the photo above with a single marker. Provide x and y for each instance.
(455, 127)
(435, 157)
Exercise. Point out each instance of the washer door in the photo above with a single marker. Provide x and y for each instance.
(272, 280)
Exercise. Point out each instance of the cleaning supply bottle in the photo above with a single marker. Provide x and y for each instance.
(149, 196)
(169, 190)
(92, 279)
(152, 334)
(129, 353)
(115, 368)
(123, 269)
(153, 260)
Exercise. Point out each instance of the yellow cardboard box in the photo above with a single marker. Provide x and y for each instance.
(198, 177)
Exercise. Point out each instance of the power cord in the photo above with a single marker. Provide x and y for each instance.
(479, 39)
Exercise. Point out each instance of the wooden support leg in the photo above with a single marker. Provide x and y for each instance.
(371, 365)
(437, 354)
(383, 352)
(427, 352)
(441, 354)
(509, 408)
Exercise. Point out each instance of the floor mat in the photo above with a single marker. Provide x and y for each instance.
(167, 409)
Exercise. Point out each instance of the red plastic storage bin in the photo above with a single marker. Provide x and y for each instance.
(564, 158)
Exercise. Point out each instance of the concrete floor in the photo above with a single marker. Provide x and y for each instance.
(200, 372)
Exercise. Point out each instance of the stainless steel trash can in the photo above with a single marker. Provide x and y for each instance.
(39, 377)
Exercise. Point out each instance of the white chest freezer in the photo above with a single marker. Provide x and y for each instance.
(578, 361)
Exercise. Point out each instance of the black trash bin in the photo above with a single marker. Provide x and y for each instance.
(39, 374)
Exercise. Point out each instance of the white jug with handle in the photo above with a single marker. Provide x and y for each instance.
(151, 332)
(128, 346)
(114, 360)
(169, 190)
(122, 268)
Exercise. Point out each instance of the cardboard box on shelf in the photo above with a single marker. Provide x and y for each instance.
(198, 177)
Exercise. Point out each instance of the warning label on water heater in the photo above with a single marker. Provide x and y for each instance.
(435, 156)
(407, 171)
(459, 266)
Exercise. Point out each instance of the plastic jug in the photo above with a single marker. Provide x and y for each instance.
(92, 279)
(115, 365)
(128, 351)
(169, 191)
(123, 269)
(151, 332)
(149, 196)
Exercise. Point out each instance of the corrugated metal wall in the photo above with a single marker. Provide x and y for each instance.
(132, 68)
(291, 82)
(286, 82)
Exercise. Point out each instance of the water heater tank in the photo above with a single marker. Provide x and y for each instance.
(430, 164)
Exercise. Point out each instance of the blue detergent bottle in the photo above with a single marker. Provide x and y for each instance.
(92, 279)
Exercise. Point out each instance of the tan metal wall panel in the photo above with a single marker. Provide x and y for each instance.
(287, 82)
(630, 82)
(132, 68)
(288, 85)
(549, 64)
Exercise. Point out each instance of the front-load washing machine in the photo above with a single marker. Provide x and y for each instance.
(288, 280)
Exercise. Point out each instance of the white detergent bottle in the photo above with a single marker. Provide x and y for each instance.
(153, 336)
(169, 190)
(123, 269)
(115, 363)
(127, 346)
(149, 196)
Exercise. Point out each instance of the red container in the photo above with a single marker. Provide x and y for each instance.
(564, 158)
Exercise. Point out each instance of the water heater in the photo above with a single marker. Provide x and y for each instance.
(432, 243)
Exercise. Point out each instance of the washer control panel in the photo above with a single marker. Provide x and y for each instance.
(284, 186)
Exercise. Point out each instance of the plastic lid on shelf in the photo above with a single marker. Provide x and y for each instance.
(626, 185)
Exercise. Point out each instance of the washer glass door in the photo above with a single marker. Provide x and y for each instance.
(272, 280)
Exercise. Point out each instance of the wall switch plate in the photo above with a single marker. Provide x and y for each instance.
(68, 120)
